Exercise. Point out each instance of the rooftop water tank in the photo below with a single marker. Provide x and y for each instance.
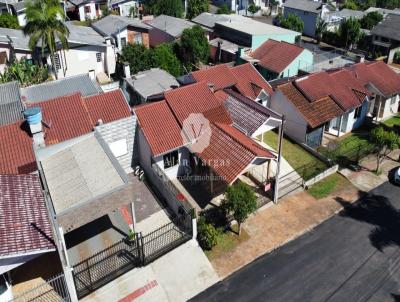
(33, 115)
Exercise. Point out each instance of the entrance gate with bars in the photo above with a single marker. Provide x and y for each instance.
(107, 265)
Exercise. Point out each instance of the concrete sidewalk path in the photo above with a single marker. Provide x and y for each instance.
(177, 276)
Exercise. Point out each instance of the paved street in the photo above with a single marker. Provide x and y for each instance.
(354, 256)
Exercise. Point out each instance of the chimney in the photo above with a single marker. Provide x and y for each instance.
(127, 70)
(99, 122)
(108, 41)
(211, 86)
(33, 117)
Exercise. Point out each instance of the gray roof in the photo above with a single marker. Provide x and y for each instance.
(347, 13)
(208, 20)
(18, 6)
(383, 11)
(152, 82)
(304, 5)
(14, 37)
(84, 35)
(388, 28)
(226, 45)
(10, 104)
(53, 89)
(171, 25)
(80, 170)
(112, 24)
(80, 2)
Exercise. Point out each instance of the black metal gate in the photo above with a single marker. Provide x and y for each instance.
(107, 265)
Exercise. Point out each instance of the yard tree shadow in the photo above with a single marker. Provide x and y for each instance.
(378, 211)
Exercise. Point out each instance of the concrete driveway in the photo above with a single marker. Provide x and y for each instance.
(177, 276)
(354, 256)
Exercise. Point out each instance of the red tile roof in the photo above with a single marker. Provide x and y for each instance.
(378, 74)
(230, 152)
(341, 86)
(16, 151)
(108, 107)
(276, 56)
(64, 118)
(316, 112)
(219, 75)
(24, 221)
(159, 127)
(196, 98)
(250, 81)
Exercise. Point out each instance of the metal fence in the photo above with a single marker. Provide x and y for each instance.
(121, 257)
(54, 290)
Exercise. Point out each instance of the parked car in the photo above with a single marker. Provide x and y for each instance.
(396, 176)
(5, 289)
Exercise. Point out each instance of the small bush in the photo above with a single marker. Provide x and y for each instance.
(207, 234)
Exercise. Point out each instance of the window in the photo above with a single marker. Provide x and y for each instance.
(87, 9)
(57, 61)
(98, 56)
(392, 101)
(123, 42)
(170, 159)
(137, 39)
(357, 112)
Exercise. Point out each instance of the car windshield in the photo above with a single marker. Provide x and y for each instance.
(3, 286)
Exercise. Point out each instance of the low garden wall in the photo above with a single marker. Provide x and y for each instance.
(321, 176)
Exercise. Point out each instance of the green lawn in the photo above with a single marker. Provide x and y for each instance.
(302, 161)
(328, 185)
(226, 242)
(393, 121)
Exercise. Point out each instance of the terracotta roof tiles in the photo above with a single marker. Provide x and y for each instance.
(219, 75)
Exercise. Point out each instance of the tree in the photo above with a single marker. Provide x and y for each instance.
(24, 72)
(241, 201)
(350, 32)
(207, 234)
(196, 7)
(138, 57)
(223, 9)
(193, 47)
(370, 20)
(320, 29)
(385, 142)
(253, 8)
(164, 57)
(350, 4)
(172, 8)
(9, 21)
(45, 27)
(292, 22)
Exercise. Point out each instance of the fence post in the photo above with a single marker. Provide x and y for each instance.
(194, 228)
(141, 247)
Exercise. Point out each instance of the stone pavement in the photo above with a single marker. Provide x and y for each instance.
(177, 276)
(275, 225)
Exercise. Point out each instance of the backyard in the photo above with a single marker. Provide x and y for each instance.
(393, 121)
(306, 164)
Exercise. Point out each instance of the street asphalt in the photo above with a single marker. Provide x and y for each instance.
(354, 256)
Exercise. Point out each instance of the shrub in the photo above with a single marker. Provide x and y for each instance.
(207, 234)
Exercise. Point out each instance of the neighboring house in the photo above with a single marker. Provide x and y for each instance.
(384, 85)
(386, 36)
(13, 44)
(63, 118)
(18, 10)
(250, 33)
(224, 51)
(85, 9)
(166, 140)
(334, 102)
(54, 89)
(309, 12)
(25, 228)
(123, 30)
(244, 79)
(10, 103)
(335, 18)
(149, 85)
(279, 59)
(124, 7)
(167, 29)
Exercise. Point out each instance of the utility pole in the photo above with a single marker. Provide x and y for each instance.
(278, 164)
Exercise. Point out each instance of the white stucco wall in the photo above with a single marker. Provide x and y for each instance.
(390, 110)
(295, 125)
(93, 13)
(122, 34)
(124, 8)
(173, 172)
(21, 19)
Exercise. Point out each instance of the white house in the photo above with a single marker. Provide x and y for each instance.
(13, 45)
(125, 8)
(86, 9)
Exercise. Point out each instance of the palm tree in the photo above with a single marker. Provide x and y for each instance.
(320, 29)
(45, 26)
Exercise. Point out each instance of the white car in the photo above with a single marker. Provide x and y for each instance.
(5, 289)
(397, 176)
